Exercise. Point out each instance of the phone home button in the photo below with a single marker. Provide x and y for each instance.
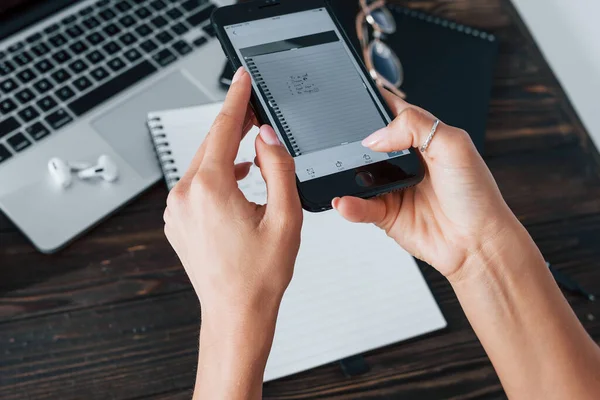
(365, 179)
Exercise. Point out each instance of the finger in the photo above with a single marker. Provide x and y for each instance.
(278, 170)
(242, 170)
(249, 123)
(223, 142)
(357, 210)
(411, 128)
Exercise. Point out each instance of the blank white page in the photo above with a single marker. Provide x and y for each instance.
(354, 289)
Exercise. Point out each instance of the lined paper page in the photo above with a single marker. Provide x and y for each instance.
(353, 290)
(312, 81)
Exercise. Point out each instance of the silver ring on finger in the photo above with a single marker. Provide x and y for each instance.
(425, 145)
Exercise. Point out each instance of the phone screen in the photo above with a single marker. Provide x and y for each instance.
(316, 95)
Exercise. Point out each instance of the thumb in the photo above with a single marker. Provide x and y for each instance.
(354, 209)
(279, 172)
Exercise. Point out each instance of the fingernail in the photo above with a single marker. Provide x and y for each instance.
(269, 136)
(375, 138)
(238, 74)
(335, 203)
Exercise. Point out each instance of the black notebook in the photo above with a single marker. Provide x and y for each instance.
(448, 67)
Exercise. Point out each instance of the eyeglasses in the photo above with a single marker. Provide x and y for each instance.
(381, 61)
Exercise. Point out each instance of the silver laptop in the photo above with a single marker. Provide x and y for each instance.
(77, 79)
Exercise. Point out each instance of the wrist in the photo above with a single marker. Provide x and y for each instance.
(511, 248)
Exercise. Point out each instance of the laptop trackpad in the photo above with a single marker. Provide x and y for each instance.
(124, 126)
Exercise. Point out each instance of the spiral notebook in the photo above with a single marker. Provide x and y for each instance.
(354, 289)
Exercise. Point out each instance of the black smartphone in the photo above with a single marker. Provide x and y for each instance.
(312, 87)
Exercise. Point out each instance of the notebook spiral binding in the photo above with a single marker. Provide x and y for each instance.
(271, 100)
(163, 152)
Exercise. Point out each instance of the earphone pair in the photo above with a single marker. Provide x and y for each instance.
(62, 171)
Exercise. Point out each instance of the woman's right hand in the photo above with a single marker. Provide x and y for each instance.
(454, 213)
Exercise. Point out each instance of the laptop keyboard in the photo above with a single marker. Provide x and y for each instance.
(61, 72)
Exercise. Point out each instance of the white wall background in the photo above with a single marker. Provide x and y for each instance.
(568, 33)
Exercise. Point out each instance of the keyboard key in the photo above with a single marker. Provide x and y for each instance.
(139, 1)
(164, 57)
(2, 54)
(4, 153)
(111, 29)
(7, 105)
(143, 30)
(19, 142)
(210, 30)
(179, 29)
(38, 131)
(78, 66)
(123, 6)
(174, 13)
(58, 119)
(58, 40)
(164, 37)
(158, 5)
(95, 38)
(74, 31)
(102, 3)
(78, 47)
(116, 64)
(128, 39)
(127, 21)
(33, 38)
(26, 75)
(99, 74)
(40, 49)
(6, 67)
(23, 58)
(8, 125)
(159, 21)
(44, 66)
(43, 85)
(69, 20)
(132, 55)
(107, 15)
(95, 57)
(51, 28)
(16, 47)
(29, 113)
(65, 93)
(182, 47)
(82, 84)
(46, 103)
(8, 85)
(149, 46)
(86, 11)
(61, 56)
(25, 96)
(61, 76)
(91, 22)
(112, 48)
(143, 12)
(201, 16)
(191, 5)
(111, 88)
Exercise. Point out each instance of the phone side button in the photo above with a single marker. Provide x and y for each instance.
(365, 179)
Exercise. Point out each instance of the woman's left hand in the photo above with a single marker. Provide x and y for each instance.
(238, 255)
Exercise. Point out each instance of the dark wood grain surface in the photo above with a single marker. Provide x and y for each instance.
(114, 317)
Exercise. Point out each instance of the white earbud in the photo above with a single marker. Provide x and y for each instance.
(60, 172)
(105, 169)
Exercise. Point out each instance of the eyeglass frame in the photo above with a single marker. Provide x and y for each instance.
(364, 15)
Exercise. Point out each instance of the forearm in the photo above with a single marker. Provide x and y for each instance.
(536, 343)
(233, 354)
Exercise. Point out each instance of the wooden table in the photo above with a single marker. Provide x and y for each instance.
(114, 317)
